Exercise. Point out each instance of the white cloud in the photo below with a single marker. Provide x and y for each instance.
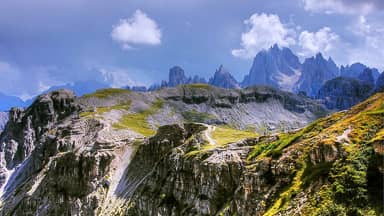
(313, 42)
(120, 77)
(139, 29)
(263, 30)
(343, 6)
(370, 50)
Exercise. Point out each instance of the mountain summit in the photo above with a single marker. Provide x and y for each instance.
(315, 72)
(222, 78)
(277, 67)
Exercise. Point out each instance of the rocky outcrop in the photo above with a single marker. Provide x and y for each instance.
(222, 78)
(343, 92)
(3, 120)
(176, 76)
(277, 67)
(315, 72)
(367, 77)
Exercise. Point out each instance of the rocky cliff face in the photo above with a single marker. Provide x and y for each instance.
(367, 77)
(380, 83)
(176, 76)
(96, 155)
(354, 71)
(315, 72)
(277, 67)
(343, 92)
(222, 78)
(3, 120)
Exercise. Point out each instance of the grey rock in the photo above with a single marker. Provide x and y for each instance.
(3, 120)
(176, 76)
(367, 77)
(224, 79)
(344, 92)
(315, 72)
(277, 67)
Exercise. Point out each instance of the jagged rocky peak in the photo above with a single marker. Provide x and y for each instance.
(343, 92)
(52, 106)
(367, 77)
(176, 76)
(354, 70)
(223, 78)
(315, 72)
(277, 67)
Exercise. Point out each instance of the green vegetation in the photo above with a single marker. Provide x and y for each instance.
(104, 93)
(101, 110)
(198, 85)
(194, 116)
(344, 186)
(226, 135)
(138, 121)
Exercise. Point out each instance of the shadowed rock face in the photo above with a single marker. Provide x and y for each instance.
(3, 120)
(222, 78)
(380, 83)
(315, 72)
(343, 92)
(176, 76)
(273, 67)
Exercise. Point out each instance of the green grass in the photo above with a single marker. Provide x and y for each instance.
(138, 121)
(101, 110)
(275, 149)
(104, 93)
(225, 135)
(198, 85)
(222, 136)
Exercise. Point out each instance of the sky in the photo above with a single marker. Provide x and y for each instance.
(44, 43)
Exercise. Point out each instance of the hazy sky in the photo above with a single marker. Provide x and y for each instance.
(125, 42)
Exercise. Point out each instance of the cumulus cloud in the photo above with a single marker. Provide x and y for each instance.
(313, 42)
(137, 30)
(263, 30)
(370, 50)
(343, 6)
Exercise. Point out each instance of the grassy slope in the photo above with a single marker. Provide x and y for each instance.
(138, 121)
(348, 187)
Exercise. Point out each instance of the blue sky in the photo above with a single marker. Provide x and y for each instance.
(45, 43)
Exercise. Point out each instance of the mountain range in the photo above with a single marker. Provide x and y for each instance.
(277, 67)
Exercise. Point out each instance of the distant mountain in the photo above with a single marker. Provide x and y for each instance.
(344, 92)
(222, 78)
(137, 88)
(315, 72)
(354, 70)
(7, 102)
(380, 83)
(367, 77)
(277, 67)
(176, 77)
